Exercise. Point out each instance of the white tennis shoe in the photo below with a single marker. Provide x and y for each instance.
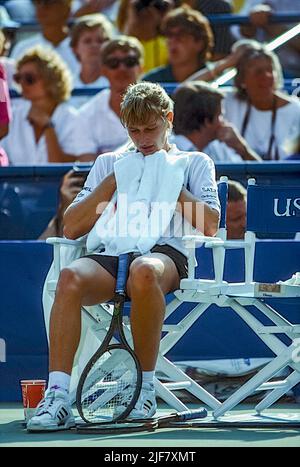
(53, 413)
(145, 406)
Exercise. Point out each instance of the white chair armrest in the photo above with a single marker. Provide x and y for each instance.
(191, 241)
(65, 241)
(57, 243)
(228, 244)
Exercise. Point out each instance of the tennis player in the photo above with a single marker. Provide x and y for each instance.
(147, 113)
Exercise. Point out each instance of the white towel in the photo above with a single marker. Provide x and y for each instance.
(141, 210)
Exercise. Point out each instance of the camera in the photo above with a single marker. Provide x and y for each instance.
(161, 5)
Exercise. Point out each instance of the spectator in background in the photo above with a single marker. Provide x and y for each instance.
(43, 125)
(99, 127)
(236, 211)
(199, 125)
(7, 63)
(189, 41)
(267, 118)
(143, 19)
(52, 16)
(5, 114)
(262, 29)
(87, 36)
(222, 33)
(213, 71)
(72, 184)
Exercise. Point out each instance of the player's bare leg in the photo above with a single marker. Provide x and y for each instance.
(84, 282)
(151, 277)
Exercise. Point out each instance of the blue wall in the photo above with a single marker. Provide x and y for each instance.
(23, 268)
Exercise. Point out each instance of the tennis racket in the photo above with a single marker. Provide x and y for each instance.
(174, 420)
(111, 382)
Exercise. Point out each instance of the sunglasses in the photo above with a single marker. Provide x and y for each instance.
(27, 78)
(115, 62)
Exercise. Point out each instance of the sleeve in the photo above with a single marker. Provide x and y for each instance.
(5, 107)
(202, 180)
(102, 167)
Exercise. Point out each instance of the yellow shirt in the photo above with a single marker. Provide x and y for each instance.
(237, 5)
(156, 53)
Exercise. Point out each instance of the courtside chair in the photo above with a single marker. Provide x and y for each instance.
(96, 319)
(271, 210)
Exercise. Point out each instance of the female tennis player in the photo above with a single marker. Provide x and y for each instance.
(147, 113)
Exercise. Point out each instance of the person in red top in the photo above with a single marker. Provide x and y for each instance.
(5, 113)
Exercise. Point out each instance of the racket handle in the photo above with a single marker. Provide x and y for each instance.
(189, 415)
(122, 273)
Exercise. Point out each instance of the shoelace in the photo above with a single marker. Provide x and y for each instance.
(46, 404)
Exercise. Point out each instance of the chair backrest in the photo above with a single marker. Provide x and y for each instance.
(273, 209)
(223, 196)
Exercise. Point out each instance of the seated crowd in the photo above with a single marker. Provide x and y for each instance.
(85, 44)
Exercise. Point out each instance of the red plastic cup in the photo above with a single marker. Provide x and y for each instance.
(33, 391)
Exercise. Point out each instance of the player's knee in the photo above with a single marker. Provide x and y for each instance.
(142, 276)
(69, 282)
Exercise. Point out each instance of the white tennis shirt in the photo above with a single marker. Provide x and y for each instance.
(200, 180)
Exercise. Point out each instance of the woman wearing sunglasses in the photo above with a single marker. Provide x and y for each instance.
(99, 126)
(43, 124)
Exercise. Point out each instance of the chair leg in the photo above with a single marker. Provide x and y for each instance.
(171, 338)
(270, 370)
(291, 381)
(166, 395)
(175, 374)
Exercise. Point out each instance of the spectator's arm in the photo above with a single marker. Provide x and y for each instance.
(55, 152)
(229, 135)
(214, 70)
(41, 120)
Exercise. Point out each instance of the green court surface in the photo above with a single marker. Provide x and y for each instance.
(13, 434)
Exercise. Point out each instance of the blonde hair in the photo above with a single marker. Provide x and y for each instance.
(142, 101)
(53, 70)
(88, 23)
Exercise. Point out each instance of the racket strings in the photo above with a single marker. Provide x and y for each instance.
(109, 386)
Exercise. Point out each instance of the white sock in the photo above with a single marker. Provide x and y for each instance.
(59, 380)
(148, 376)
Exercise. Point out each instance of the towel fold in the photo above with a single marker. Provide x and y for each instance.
(143, 205)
